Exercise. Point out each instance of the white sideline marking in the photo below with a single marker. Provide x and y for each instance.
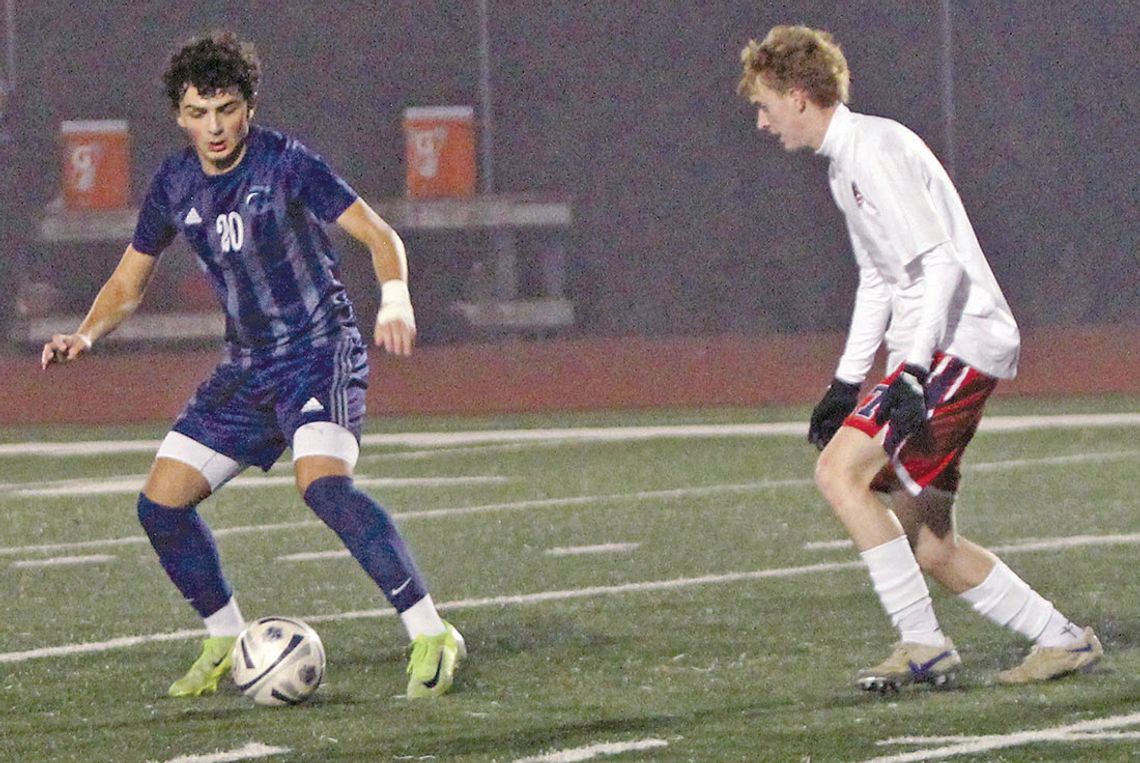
(491, 601)
(63, 560)
(1030, 544)
(580, 500)
(601, 548)
(1075, 541)
(1075, 732)
(533, 598)
(81, 448)
(134, 483)
(594, 434)
(1076, 458)
(546, 503)
(461, 450)
(310, 556)
(248, 752)
(100, 646)
(827, 545)
(593, 751)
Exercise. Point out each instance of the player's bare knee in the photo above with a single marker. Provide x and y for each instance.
(174, 492)
(833, 480)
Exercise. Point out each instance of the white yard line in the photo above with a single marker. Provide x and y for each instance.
(601, 548)
(593, 751)
(580, 500)
(1091, 730)
(1029, 544)
(594, 434)
(250, 751)
(315, 556)
(60, 561)
(134, 483)
(1076, 458)
(491, 601)
(507, 600)
(132, 540)
(827, 545)
(477, 449)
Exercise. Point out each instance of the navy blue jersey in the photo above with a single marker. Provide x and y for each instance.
(258, 231)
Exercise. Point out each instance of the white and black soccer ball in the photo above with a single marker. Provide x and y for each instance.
(278, 661)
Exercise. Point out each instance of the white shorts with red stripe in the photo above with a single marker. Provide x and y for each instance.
(956, 393)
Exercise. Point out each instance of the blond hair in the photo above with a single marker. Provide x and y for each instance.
(797, 57)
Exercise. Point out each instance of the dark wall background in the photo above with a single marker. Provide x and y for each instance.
(688, 221)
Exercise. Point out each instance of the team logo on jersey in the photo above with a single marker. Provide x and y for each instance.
(192, 217)
(254, 192)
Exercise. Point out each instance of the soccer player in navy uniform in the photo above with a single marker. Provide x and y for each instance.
(251, 202)
(889, 465)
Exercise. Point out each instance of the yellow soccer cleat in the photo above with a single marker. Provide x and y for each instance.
(431, 667)
(207, 670)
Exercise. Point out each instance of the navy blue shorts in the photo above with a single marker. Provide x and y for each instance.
(250, 409)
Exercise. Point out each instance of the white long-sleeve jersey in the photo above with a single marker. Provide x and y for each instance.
(924, 282)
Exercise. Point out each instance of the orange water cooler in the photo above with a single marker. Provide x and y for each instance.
(96, 170)
(440, 151)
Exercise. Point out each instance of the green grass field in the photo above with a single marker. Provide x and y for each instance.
(673, 596)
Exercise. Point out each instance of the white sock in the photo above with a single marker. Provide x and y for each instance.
(1009, 601)
(422, 619)
(227, 621)
(901, 588)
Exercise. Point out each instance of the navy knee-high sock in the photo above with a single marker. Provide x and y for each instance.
(370, 537)
(186, 550)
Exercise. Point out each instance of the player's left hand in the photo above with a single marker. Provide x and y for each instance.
(396, 322)
(904, 402)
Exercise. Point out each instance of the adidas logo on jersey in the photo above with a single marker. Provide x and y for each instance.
(192, 217)
(312, 405)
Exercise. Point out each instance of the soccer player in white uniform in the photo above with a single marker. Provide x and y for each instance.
(889, 465)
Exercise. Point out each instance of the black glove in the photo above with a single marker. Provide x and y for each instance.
(826, 418)
(904, 402)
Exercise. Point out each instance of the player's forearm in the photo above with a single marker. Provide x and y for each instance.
(114, 304)
(389, 259)
(941, 275)
(868, 325)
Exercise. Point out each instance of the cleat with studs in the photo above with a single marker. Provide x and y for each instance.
(911, 663)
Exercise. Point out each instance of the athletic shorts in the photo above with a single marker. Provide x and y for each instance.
(955, 396)
(249, 409)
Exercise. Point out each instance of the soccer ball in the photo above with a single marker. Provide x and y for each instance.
(278, 661)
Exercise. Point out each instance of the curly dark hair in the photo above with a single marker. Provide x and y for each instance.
(212, 64)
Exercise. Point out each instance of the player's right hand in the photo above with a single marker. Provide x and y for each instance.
(904, 403)
(839, 400)
(64, 348)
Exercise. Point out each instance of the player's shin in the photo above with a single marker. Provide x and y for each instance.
(901, 588)
(1009, 601)
(371, 538)
(187, 552)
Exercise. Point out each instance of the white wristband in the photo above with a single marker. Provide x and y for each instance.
(85, 339)
(395, 303)
(395, 291)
